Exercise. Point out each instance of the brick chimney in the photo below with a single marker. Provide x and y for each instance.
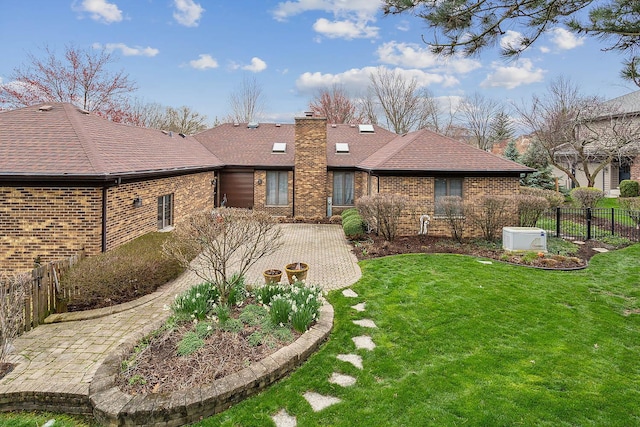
(310, 188)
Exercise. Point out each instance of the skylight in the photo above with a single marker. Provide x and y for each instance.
(279, 147)
(342, 147)
(366, 128)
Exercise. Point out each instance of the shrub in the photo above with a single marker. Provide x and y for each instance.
(348, 212)
(13, 291)
(451, 209)
(629, 188)
(554, 198)
(587, 197)
(530, 209)
(632, 207)
(353, 226)
(382, 212)
(123, 274)
(490, 214)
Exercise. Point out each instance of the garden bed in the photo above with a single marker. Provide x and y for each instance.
(561, 255)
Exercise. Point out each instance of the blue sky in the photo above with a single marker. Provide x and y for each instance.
(197, 52)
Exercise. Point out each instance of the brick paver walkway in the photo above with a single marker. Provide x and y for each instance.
(63, 357)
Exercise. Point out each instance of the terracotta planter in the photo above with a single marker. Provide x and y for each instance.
(272, 276)
(296, 271)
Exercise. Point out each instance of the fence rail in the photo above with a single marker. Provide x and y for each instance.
(587, 224)
(44, 293)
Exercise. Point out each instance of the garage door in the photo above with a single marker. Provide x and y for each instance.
(238, 187)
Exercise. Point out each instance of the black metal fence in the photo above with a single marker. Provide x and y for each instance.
(586, 224)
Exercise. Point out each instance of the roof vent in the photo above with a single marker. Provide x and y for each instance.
(165, 132)
(279, 147)
(342, 147)
(182, 135)
(236, 124)
(83, 111)
(308, 113)
(253, 125)
(45, 108)
(333, 125)
(278, 125)
(352, 125)
(366, 128)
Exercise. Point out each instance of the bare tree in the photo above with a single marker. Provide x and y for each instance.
(227, 239)
(478, 114)
(12, 295)
(180, 120)
(247, 102)
(580, 132)
(335, 104)
(80, 77)
(403, 103)
(368, 108)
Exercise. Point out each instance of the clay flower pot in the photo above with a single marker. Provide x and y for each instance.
(272, 276)
(296, 271)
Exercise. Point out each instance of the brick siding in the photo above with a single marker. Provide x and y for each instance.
(310, 198)
(260, 195)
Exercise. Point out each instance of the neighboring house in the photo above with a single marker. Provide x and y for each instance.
(70, 180)
(626, 111)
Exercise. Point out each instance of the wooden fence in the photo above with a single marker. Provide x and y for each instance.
(44, 293)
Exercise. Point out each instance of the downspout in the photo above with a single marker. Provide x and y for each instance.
(104, 219)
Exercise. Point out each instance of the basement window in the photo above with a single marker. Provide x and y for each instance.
(366, 129)
(279, 147)
(342, 147)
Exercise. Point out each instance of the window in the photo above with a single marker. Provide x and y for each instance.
(277, 187)
(342, 189)
(165, 211)
(447, 187)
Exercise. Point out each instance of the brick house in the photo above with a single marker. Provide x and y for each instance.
(70, 180)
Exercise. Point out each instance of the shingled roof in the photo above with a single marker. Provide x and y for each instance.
(425, 151)
(59, 140)
(252, 146)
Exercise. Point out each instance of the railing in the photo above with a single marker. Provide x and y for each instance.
(587, 224)
(44, 293)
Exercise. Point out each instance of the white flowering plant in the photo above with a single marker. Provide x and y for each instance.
(296, 305)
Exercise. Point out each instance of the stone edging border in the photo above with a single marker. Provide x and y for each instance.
(112, 407)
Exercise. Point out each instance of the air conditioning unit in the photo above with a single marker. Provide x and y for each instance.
(524, 239)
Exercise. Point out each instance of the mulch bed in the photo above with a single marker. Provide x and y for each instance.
(375, 247)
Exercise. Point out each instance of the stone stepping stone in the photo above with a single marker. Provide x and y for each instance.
(282, 419)
(359, 307)
(578, 242)
(349, 293)
(342, 380)
(601, 250)
(364, 342)
(318, 402)
(354, 359)
(366, 323)
(485, 262)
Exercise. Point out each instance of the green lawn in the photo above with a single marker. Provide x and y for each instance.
(464, 343)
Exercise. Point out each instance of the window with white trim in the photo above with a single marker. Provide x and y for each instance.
(165, 211)
(277, 188)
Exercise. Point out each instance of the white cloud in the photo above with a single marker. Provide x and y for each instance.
(544, 49)
(256, 65)
(404, 26)
(565, 40)
(128, 51)
(356, 80)
(344, 29)
(351, 17)
(414, 56)
(521, 73)
(99, 10)
(511, 40)
(204, 62)
(188, 12)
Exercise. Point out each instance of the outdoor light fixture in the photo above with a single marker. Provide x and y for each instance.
(137, 202)
(260, 181)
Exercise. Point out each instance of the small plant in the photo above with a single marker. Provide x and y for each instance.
(232, 325)
(204, 329)
(137, 379)
(529, 257)
(265, 293)
(280, 310)
(223, 312)
(190, 343)
(195, 302)
(302, 318)
(253, 315)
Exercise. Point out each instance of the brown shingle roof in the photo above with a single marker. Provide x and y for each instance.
(64, 141)
(427, 151)
(239, 145)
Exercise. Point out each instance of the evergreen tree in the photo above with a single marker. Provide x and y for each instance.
(511, 151)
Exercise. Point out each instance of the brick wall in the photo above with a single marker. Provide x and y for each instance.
(260, 195)
(420, 190)
(310, 167)
(55, 223)
(50, 223)
(191, 193)
(635, 169)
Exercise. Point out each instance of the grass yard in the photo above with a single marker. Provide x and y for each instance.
(460, 342)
